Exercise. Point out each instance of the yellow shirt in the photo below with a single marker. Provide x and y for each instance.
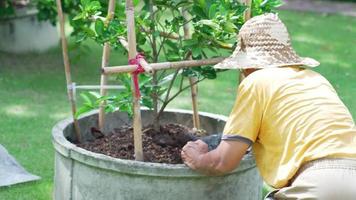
(292, 115)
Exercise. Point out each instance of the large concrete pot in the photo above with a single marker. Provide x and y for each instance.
(84, 175)
(23, 32)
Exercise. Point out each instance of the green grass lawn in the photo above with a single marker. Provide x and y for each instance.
(33, 95)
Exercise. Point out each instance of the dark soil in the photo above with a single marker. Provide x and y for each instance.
(162, 146)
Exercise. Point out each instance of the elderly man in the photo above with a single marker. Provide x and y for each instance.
(302, 135)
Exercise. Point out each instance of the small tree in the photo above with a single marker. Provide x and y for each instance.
(160, 36)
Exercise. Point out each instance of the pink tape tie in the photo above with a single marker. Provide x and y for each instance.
(139, 70)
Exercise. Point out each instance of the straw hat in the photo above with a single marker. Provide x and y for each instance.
(264, 42)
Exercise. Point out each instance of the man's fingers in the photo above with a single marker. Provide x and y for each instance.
(199, 142)
(189, 145)
(190, 165)
(187, 160)
(182, 154)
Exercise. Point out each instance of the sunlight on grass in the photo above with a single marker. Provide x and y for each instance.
(19, 111)
(59, 115)
(42, 190)
(333, 60)
(329, 58)
(308, 39)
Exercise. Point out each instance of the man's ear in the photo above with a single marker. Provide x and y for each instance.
(248, 71)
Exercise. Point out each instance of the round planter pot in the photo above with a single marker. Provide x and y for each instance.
(84, 175)
(23, 33)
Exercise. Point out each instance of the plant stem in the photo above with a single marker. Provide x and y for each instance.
(181, 89)
(154, 78)
(171, 84)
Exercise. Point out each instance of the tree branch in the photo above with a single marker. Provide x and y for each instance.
(167, 101)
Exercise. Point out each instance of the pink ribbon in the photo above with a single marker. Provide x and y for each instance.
(139, 70)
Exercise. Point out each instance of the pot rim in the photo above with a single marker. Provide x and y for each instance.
(70, 150)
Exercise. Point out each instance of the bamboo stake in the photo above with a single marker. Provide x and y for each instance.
(104, 63)
(143, 62)
(163, 65)
(131, 36)
(247, 16)
(193, 87)
(124, 43)
(67, 69)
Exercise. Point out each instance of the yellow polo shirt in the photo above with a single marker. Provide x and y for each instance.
(292, 115)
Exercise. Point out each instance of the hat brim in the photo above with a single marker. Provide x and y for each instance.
(242, 62)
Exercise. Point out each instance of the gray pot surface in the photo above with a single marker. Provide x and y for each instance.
(84, 175)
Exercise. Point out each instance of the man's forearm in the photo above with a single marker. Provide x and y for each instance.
(211, 164)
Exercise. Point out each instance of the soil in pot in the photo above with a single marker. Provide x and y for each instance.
(163, 146)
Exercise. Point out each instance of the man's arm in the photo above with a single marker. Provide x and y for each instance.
(225, 158)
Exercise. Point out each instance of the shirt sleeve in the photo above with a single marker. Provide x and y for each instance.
(245, 119)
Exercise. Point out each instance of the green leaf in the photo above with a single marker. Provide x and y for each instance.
(86, 99)
(199, 12)
(156, 33)
(136, 2)
(230, 27)
(85, 3)
(79, 16)
(201, 3)
(93, 6)
(196, 52)
(172, 45)
(144, 79)
(147, 102)
(190, 42)
(209, 23)
(110, 108)
(276, 3)
(95, 94)
(212, 11)
(125, 80)
(189, 73)
(209, 73)
(127, 108)
(161, 91)
(183, 4)
(173, 57)
(88, 31)
(83, 110)
(99, 27)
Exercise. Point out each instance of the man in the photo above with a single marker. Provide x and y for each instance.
(303, 136)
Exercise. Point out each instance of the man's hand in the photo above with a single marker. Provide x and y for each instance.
(221, 160)
(192, 152)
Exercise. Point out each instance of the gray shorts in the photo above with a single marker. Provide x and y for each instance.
(324, 179)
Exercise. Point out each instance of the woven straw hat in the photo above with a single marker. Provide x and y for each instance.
(264, 42)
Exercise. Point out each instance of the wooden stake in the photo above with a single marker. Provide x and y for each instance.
(67, 69)
(247, 16)
(163, 65)
(137, 124)
(148, 69)
(104, 63)
(193, 87)
(124, 43)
